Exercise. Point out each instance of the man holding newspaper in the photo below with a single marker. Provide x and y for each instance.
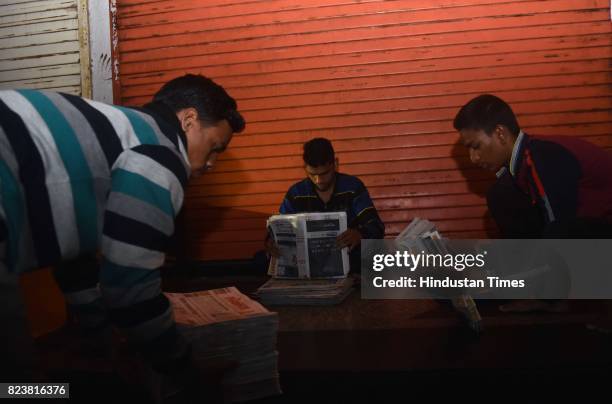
(327, 190)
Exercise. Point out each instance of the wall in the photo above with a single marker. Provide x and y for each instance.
(44, 45)
(100, 50)
(382, 79)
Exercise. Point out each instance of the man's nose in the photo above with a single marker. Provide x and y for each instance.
(474, 157)
(212, 160)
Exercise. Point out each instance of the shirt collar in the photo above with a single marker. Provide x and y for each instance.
(167, 114)
(514, 159)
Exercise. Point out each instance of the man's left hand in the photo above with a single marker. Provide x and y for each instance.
(350, 238)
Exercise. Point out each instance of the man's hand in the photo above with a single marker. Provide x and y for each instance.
(271, 248)
(350, 238)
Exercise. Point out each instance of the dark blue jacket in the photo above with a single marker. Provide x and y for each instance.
(350, 195)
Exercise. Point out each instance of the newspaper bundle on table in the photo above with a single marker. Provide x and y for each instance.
(307, 244)
(421, 235)
(225, 325)
(311, 292)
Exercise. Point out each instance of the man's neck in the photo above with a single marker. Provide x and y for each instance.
(326, 195)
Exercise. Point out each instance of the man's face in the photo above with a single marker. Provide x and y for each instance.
(488, 152)
(322, 176)
(205, 143)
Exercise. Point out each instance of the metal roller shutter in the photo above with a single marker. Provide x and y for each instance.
(382, 79)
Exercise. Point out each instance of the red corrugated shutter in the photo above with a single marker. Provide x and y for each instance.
(383, 80)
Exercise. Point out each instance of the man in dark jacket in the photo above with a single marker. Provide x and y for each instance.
(327, 190)
(550, 187)
(566, 178)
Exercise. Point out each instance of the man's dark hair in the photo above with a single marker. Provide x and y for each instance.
(211, 100)
(485, 112)
(318, 152)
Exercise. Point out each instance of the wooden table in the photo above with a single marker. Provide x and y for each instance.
(396, 351)
(412, 335)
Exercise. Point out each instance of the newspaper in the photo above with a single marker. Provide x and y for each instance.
(320, 292)
(225, 325)
(213, 306)
(414, 237)
(421, 235)
(307, 245)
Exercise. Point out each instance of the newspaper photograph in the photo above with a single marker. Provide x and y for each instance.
(284, 231)
(307, 245)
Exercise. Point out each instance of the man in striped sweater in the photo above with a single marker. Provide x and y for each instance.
(94, 190)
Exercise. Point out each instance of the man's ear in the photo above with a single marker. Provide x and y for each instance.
(336, 163)
(502, 134)
(188, 117)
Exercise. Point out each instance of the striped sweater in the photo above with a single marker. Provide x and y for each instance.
(82, 177)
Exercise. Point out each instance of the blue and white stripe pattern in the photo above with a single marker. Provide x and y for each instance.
(81, 177)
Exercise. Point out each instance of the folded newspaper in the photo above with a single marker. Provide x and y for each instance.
(225, 325)
(307, 245)
(421, 235)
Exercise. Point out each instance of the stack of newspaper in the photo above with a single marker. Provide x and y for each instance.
(305, 292)
(310, 270)
(421, 235)
(225, 325)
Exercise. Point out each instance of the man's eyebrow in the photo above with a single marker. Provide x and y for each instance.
(472, 143)
(323, 173)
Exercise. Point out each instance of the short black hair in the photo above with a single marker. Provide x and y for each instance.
(211, 100)
(485, 112)
(318, 151)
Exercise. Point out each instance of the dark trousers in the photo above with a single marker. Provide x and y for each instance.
(17, 361)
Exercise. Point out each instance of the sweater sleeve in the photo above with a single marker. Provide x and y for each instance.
(366, 219)
(147, 187)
